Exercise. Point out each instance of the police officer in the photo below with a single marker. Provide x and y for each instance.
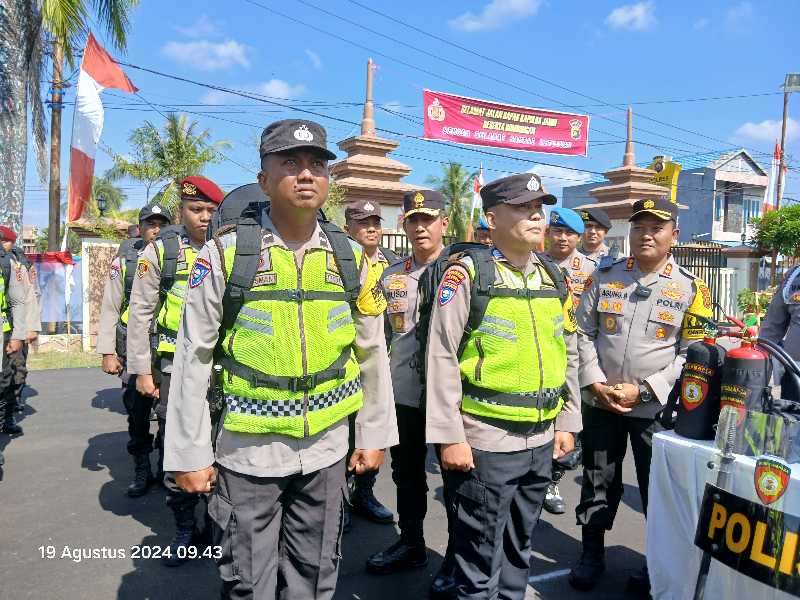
(302, 350)
(424, 223)
(111, 340)
(782, 322)
(15, 265)
(159, 288)
(635, 322)
(14, 314)
(363, 224)
(596, 226)
(493, 405)
(482, 233)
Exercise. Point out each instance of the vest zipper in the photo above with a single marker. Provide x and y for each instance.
(479, 364)
(303, 350)
(535, 335)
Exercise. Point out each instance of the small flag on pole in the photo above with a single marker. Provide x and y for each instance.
(772, 184)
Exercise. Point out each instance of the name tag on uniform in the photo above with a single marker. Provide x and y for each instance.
(265, 278)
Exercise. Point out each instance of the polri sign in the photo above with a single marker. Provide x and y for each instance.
(481, 123)
(753, 539)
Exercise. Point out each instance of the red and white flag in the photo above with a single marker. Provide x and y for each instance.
(477, 184)
(770, 200)
(98, 72)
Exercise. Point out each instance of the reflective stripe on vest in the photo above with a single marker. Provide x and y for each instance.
(287, 361)
(169, 318)
(4, 305)
(513, 366)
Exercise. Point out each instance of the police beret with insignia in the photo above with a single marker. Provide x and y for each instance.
(662, 208)
(7, 234)
(566, 217)
(294, 134)
(515, 189)
(196, 187)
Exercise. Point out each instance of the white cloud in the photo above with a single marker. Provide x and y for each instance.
(202, 27)
(556, 178)
(314, 58)
(701, 23)
(274, 88)
(208, 56)
(739, 14)
(633, 17)
(496, 15)
(767, 131)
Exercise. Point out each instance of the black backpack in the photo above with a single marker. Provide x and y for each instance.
(389, 255)
(129, 252)
(248, 197)
(482, 290)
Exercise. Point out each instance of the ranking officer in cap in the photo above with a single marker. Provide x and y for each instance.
(157, 296)
(635, 322)
(112, 339)
(498, 400)
(363, 224)
(782, 323)
(596, 224)
(425, 223)
(291, 319)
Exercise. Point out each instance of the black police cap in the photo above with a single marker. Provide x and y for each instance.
(428, 202)
(663, 208)
(515, 189)
(598, 215)
(154, 209)
(291, 134)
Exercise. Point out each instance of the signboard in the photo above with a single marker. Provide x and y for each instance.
(666, 175)
(481, 123)
(753, 539)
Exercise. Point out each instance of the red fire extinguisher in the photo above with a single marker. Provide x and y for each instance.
(745, 379)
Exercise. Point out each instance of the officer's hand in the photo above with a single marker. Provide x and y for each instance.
(631, 393)
(609, 398)
(365, 460)
(197, 482)
(13, 346)
(31, 337)
(146, 386)
(565, 443)
(111, 364)
(457, 457)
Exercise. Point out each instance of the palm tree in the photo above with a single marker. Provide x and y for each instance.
(167, 156)
(455, 184)
(30, 30)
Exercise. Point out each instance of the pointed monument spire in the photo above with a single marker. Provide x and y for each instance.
(629, 159)
(368, 120)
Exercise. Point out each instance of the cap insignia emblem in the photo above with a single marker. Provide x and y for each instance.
(584, 215)
(302, 134)
(156, 210)
(369, 206)
(533, 184)
(419, 200)
(189, 189)
(649, 204)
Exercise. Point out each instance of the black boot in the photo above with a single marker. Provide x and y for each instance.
(142, 477)
(160, 470)
(443, 586)
(185, 533)
(591, 565)
(639, 583)
(11, 428)
(364, 502)
(398, 557)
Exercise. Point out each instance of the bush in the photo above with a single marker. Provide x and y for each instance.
(746, 301)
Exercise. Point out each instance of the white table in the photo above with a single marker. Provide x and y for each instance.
(678, 475)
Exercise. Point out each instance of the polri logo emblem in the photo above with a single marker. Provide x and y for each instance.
(772, 479)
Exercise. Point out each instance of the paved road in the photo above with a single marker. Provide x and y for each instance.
(64, 484)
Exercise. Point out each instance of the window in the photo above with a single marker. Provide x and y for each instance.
(733, 206)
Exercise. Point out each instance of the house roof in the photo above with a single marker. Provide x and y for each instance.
(716, 160)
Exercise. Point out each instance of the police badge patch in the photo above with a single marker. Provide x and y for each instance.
(142, 267)
(200, 271)
(771, 479)
(447, 291)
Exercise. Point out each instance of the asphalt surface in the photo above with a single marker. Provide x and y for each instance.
(62, 493)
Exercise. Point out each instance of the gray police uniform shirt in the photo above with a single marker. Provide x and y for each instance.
(18, 294)
(142, 307)
(110, 308)
(602, 250)
(624, 337)
(400, 283)
(579, 268)
(782, 323)
(187, 444)
(445, 423)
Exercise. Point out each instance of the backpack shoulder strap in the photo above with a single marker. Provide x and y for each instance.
(131, 257)
(345, 260)
(244, 268)
(555, 273)
(172, 245)
(482, 283)
(389, 255)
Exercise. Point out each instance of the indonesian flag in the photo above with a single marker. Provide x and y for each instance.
(477, 184)
(772, 184)
(98, 72)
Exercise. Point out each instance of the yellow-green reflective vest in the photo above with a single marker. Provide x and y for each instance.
(4, 305)
(288, 362)
(169, 317)
(513, 366)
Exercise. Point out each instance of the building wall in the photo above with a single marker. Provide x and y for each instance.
(696, 190)
(579, 194)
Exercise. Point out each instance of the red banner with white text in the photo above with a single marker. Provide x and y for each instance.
(481, 123)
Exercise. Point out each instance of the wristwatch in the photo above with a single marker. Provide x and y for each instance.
(645, 395)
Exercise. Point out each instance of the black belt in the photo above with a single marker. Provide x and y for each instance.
(292, 295)
(546, 400)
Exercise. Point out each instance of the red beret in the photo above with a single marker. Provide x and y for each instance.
(200, 188)
(7, 234)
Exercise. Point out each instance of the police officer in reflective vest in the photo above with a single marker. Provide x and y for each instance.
(159, 288)
(111, 341)
(499, 402)
(596, 226)
(15, 267)
(635, 322)
(293, 317)
(363, 224)
(782, 323)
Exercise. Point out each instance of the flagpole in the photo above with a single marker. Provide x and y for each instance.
(779, 193)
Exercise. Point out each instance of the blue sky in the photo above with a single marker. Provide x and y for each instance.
(614, 52)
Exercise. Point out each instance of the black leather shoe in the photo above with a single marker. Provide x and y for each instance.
(12, 428)
(363, 502)
(185, 536)
(639, 583)
(553, 502)
(591, 565)
(443, 586)
(397, 557)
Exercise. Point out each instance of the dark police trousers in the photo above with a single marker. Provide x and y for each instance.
(280, 536)
(7, 397)
(408, 473)
(496, 506)
(605, 441)
(19, 366)
(138, 406)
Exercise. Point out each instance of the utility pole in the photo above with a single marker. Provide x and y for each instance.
(54, 217)
(779, 189)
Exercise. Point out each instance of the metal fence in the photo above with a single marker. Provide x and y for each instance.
(706, 260)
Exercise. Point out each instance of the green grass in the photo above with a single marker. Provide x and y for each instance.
(62, 360)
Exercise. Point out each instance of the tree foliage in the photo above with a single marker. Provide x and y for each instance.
(455, 184)
(779, 230)
(335, 204)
